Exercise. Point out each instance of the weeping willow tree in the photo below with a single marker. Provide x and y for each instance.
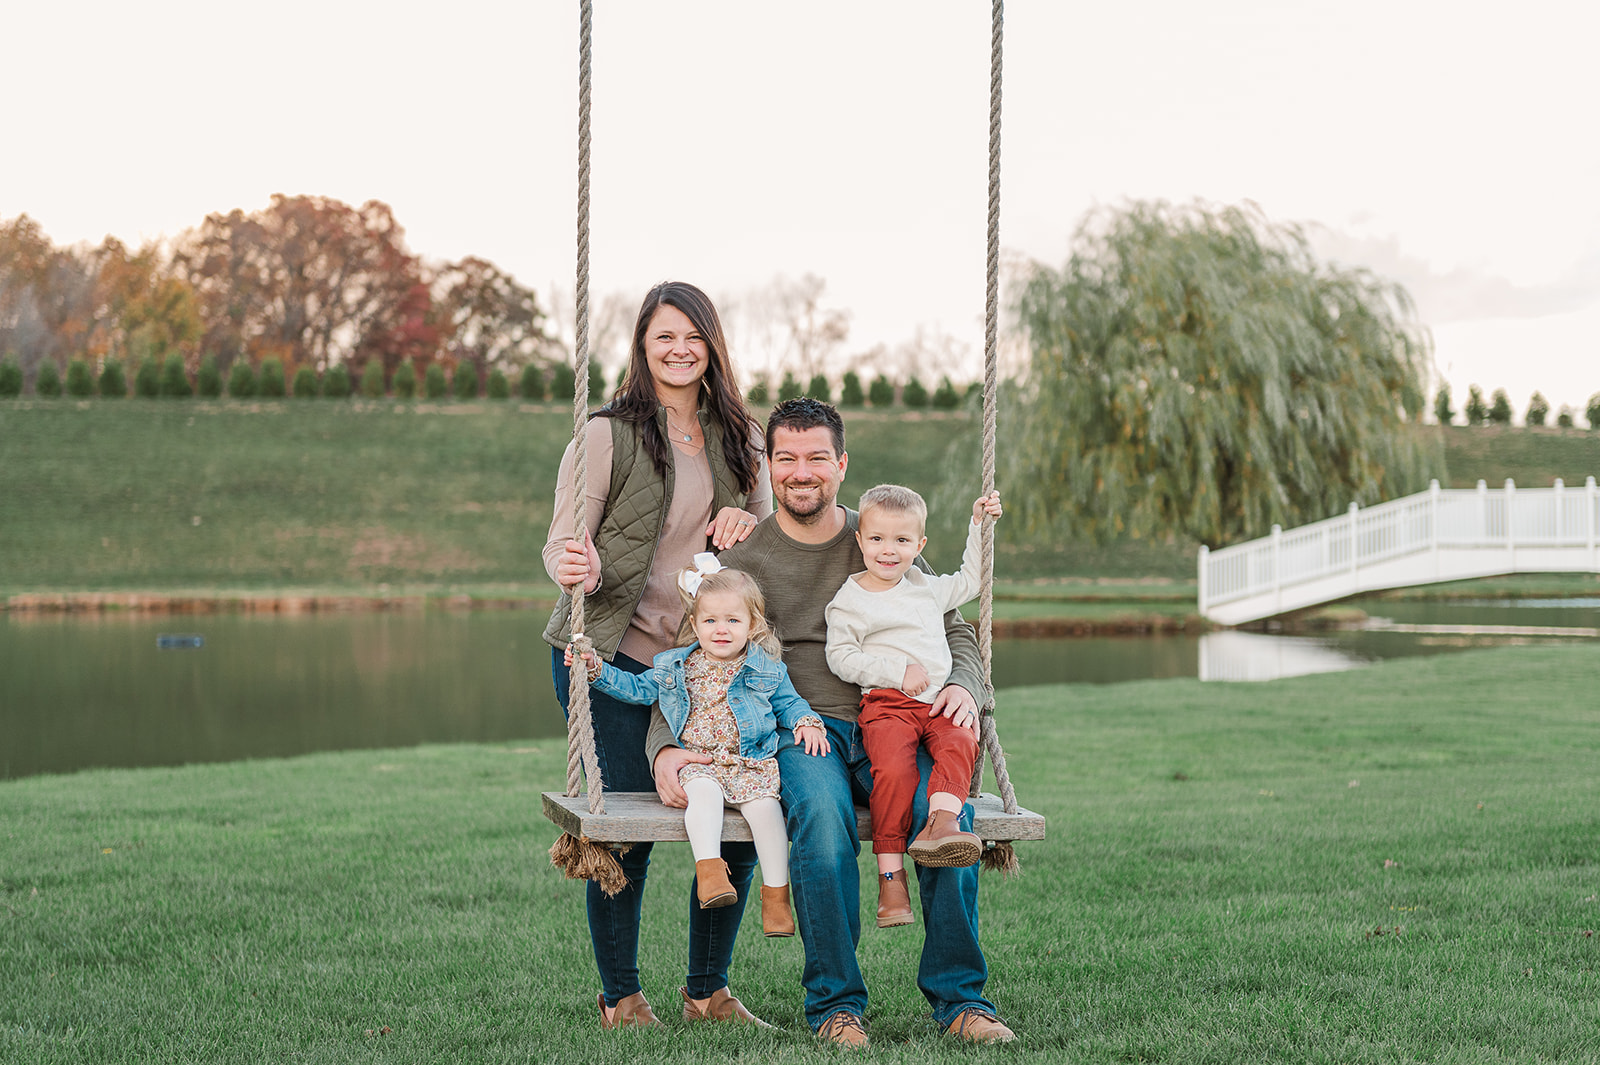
(1198, 373)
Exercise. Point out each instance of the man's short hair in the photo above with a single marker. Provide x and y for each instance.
(798, 415)
(894, 497)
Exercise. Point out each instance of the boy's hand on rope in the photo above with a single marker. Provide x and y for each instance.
(579, 562)
(591, 663)
(812, 738)
(731, 525)
(956, 703)
(986, 505)
(916, 680)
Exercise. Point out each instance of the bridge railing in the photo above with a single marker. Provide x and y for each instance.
(1457, 518)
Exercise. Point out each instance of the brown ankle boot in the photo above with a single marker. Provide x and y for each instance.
(777, 919)
(894, 901)
(631, 1012)
(942, 843)
(712, 884)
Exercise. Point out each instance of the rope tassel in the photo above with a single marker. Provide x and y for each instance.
(585, 859)
(1001, 856)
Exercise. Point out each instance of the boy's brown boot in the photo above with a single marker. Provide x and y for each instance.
(942, 843)
(894, 901)
(777, 919)
(711, 883)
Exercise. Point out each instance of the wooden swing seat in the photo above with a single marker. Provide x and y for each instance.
(640, 817)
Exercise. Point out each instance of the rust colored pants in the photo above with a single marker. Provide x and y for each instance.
(892, 725)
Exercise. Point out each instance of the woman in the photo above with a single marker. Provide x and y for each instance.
(674, 461)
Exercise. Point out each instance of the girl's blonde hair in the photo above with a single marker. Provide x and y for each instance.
(743, 585)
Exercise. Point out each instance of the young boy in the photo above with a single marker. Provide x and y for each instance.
(886, 633)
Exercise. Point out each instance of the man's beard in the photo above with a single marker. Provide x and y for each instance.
(806, 517)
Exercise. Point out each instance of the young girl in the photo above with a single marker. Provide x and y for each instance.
(723, 692)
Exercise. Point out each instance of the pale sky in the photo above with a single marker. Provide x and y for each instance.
(1450, 146)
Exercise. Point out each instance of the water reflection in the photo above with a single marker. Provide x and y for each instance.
(1253, 656)
(80, 691)
(97, 690)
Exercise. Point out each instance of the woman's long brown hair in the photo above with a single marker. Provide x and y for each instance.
(636, 400)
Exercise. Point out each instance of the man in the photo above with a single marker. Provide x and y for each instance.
(801, 556)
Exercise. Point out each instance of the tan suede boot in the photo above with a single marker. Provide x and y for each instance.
(777, 919)
(894, 900)
(712, 884)
(942, 842)
(631, 1012)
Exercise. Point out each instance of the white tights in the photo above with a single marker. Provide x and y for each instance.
(703, 819)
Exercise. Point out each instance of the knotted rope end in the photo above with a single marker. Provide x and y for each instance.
(1002, 856)
(585, 859)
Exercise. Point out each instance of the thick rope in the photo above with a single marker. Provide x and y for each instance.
(991, 396)
(583, 859)
(581, 753)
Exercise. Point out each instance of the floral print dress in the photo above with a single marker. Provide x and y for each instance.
(711, 729)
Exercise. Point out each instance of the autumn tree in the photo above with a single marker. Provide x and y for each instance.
(141, 309)
(485, 319)
(1538, 409)
(308, 279)
(1197, 372)
(47, 305)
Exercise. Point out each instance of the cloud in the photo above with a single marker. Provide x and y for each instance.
(1463, 294)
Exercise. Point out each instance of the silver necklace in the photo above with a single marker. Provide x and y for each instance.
(687, 437)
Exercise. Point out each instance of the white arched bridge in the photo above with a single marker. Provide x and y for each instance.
(1437, 535)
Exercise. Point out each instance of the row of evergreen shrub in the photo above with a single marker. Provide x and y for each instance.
(170, 378)
(879, 393)
(1498, 410)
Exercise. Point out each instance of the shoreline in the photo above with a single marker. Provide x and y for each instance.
(188, 604)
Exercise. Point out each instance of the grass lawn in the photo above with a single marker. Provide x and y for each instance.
(1396, 864)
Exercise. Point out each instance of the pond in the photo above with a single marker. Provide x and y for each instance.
(80, 691)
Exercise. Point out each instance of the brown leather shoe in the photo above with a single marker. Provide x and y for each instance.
(631, 1012)
(711, 883)
(894, 901)
(722, 1007)
(979, 1026)
(777, 918)
(942, 843)
(844, 1029)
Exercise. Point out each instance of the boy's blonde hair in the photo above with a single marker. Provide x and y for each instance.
(897, 498)
(743, 585)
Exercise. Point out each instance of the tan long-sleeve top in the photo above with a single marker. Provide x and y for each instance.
(654, 626)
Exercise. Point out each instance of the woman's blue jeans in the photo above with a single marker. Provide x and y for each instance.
(819, 797)
(619, 733)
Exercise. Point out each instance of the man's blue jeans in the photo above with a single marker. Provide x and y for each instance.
(819, 797)
(619, 733)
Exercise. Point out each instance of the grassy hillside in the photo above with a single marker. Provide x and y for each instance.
(340, 496)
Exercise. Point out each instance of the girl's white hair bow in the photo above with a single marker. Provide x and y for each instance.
(705, 564)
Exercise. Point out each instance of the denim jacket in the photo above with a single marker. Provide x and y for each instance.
(761, 696)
